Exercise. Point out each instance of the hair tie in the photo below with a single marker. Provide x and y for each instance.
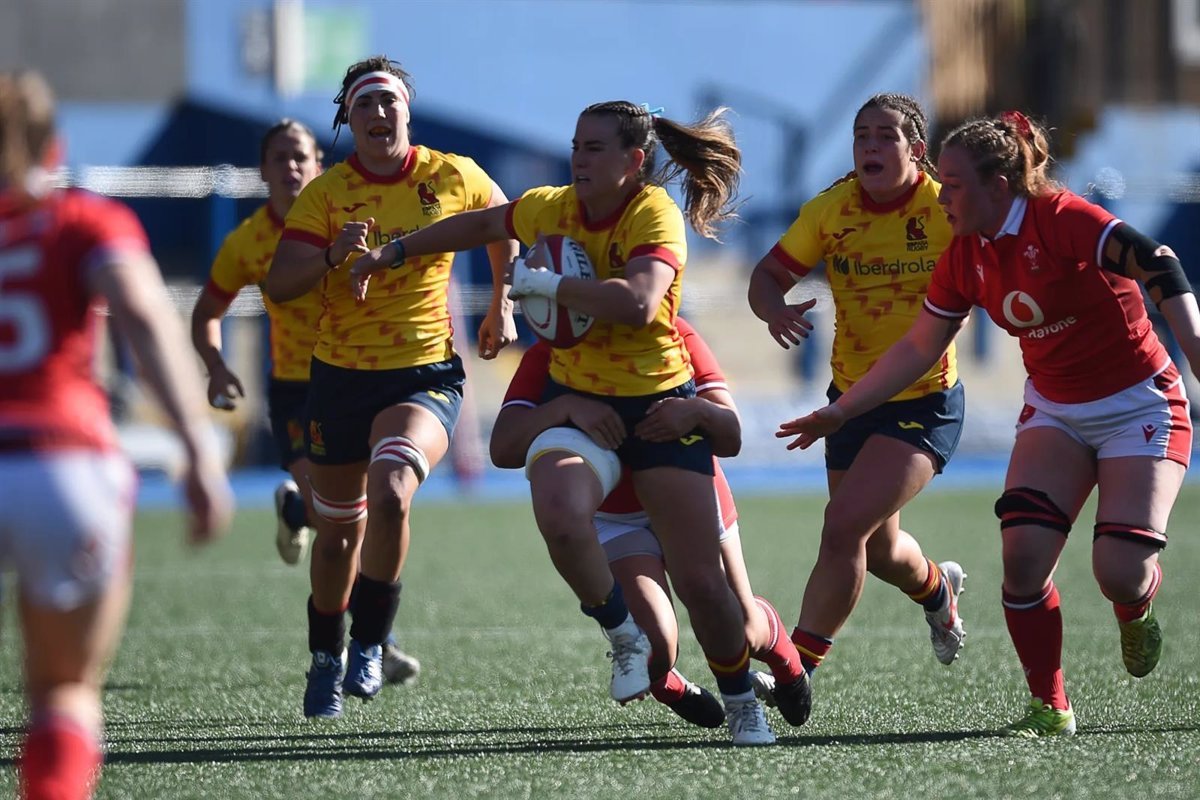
(1018, 121)
(654, 112)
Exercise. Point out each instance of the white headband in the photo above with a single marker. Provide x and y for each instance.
(374, 82)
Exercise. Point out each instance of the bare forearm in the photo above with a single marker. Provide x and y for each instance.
(294, 275)
(767, 299)
(1183, 317)
(613, 300)
(206, 338)
(515, 429)
(464, 231)
(722, 425)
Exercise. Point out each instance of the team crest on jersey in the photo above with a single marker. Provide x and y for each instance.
(914, 232)
(1031, 257)
(431, 206)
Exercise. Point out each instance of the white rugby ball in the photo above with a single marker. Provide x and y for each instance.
(554, 322)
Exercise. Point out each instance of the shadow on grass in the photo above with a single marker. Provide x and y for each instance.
(408, 744)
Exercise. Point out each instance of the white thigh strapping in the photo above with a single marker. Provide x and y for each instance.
(66, 523)
(603, 462)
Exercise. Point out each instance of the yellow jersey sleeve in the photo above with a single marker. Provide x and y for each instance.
(800, 248)
(244, 260)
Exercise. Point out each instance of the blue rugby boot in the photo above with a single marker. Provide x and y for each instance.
(323, 694)
(364, 670)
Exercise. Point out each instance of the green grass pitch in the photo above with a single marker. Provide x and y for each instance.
(204, 698)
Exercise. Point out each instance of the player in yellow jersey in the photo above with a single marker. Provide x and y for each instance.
(289, 159)
(879, 231)
(632, 360)
(386, 385)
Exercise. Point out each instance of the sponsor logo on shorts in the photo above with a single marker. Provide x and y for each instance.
(441, 398)
(911, 426)
(690, 439)
(1148, 431)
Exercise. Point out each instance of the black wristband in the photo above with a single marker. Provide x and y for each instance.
(329, 262)
(400, 254)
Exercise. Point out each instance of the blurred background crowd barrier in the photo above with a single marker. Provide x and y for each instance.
(163, 103)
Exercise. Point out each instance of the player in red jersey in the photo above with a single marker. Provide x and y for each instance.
(879, 231)
(66, 489)
(624, 530)
(1104, 405)
(289, 159)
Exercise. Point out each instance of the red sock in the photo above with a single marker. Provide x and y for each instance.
(669, 688)
(1128, 612)
(812, 648)
(779, 654)
(1035, 626)
(61, 760)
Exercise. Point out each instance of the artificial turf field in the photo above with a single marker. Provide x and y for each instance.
(203, 700)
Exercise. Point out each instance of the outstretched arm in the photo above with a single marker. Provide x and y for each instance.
(769, 285)
(904, 362)
(144, 314)
(517, 426)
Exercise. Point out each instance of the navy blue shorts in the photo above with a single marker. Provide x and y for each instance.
(343, 403)
(287, 402)
(692, 452)
(932, 423)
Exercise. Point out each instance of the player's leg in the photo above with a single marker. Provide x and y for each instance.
(689, 533)
(788, 687)
(286, 402)
(1142, 461)
(1136, 496)
(73, 561)
(339, 516)
(637, 565)
(568, 479)
(885, 474)
(407, 442)
(1050, 475)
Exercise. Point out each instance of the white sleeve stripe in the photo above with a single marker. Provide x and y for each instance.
(1104, 238)
(941, 312)
(711, 386)
(518, 404)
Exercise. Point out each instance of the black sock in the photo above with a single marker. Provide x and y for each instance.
(295, 515)
(326, 632)
(372, 609)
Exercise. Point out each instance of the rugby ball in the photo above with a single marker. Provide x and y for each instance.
(554, 322)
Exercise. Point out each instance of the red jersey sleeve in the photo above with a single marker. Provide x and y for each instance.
(106, 228)
(1076, 228)
(707, 371)
(948, 296)
(529, 381)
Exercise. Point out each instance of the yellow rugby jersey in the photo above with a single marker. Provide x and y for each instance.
(244, 259)
(878, 259)
(616, 359)
(405, 321)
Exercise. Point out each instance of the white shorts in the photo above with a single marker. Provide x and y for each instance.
(1148, 419)
(625, 535)
(66, 523)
